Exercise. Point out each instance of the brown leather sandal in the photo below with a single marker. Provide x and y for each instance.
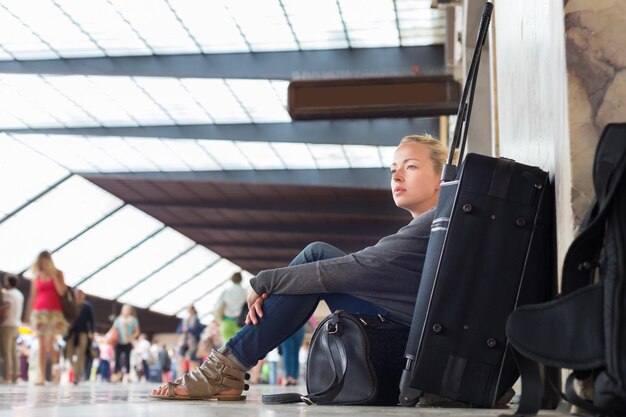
(216, 374)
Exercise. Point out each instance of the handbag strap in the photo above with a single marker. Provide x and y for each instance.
(329, 393)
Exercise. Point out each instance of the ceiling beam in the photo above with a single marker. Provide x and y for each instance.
(357, 62)
(282, 245)
(360, 231)
(378, 132)
(365, 178)
(353, 210)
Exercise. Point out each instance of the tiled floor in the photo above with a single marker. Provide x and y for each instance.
(104, 400)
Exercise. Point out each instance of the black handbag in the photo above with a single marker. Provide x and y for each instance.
(353, 360)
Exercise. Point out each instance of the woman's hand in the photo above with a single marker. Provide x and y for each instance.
(255, 310)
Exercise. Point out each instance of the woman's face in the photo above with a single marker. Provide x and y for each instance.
(414, 182)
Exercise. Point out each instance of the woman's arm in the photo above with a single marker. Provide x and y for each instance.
(59, 283)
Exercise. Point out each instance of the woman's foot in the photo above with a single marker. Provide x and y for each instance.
(217, 378)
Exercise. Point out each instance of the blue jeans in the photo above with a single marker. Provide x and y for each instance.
(283, 314)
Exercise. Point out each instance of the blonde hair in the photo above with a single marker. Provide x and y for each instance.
(438, 151)
(44, 264)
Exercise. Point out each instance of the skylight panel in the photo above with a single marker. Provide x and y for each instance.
(211, 25)
(36, 90)
(217, 99)
(64, 150)
(273, 34)
(317, 24)
(52, 26)
(171, 95)
(109, 239)
(92, 99)
(19, 40)
(137, 264)
(132, 99)
(370, 23)
(294, 155)
(51, 220)
(329, 156)
(260, 100)
(106, 27)
(362, 156)
(169, 277)
(127, 155)
(149, 18)
(158, 153)
(18, 161)
(386, 155)
(261, 155)
(226, 153)
(15, 104)
(183, 296)
(192, 154)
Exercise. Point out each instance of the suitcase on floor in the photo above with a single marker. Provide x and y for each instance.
(490, 249)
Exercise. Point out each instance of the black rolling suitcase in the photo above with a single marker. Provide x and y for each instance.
(490, 249)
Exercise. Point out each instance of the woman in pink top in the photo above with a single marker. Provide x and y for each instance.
(44, 306)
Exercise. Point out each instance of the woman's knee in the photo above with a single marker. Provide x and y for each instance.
(316, 251)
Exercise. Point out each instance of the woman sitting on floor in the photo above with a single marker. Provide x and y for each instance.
(381, 279)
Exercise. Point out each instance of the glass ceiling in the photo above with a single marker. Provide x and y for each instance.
(118, 154)
(87, 228)
(104, 247)
(49, 29)
(35, 101)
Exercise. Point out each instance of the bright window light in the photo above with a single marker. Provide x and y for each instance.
(158, 153)
(205, 300)
(261, 155)
(17, 161)
(109, 239)
(295, 155)
(169, 277)
(194, 155)
(65, 150)
(151, 26)
(362, 156)
(127, 155)
(329, 156)
(52, 220)
(179, 299)
(137, 264)
(217, 99)
(226, 153)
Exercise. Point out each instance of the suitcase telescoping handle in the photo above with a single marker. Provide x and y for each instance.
(467, 98)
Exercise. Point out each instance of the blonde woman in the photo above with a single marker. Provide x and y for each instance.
(44, 307)
(381, 279)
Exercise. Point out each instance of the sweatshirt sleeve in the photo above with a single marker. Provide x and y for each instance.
(362, 273)
(330, 275)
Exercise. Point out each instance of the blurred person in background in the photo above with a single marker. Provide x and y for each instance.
(190, 329)
(142, 349)
(228, 307)
(126, 326)
(12, 307)
(44, 308)
(78, 341)
(290, 349)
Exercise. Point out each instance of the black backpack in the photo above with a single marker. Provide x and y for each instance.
(585, 328)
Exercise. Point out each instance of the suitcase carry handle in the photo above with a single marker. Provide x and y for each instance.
(464, 112)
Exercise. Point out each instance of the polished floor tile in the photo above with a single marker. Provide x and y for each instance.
(107, 400)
